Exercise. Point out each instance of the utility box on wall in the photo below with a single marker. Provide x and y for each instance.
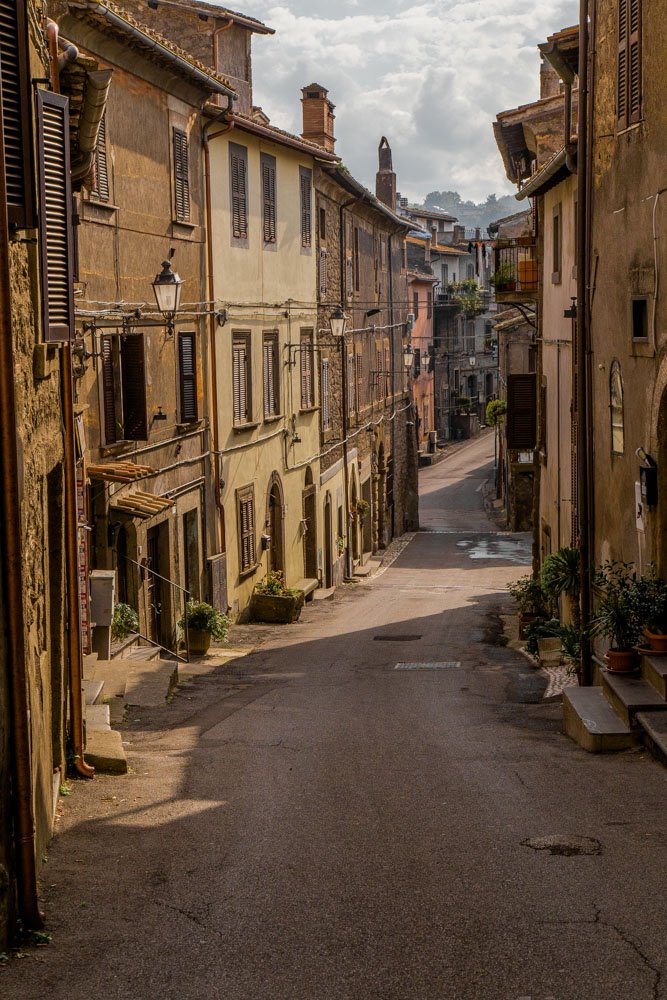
(102, 599)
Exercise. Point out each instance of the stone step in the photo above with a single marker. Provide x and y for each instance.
(89, 661)
(105, 751)
(92, 690)
(654, 670)
(324, 594)
(97, 717)
(141, 653)
(629, 694)
(654, 731)
(149, 683)
(112, 674)
(590, 721)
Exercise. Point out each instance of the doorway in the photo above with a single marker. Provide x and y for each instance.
(191, 553)
(274, 518)
(328, 551)
(157, 595)
(310, 527)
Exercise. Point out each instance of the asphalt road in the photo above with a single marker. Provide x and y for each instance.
(314, 823)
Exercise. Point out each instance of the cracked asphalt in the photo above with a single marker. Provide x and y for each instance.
(309, 823)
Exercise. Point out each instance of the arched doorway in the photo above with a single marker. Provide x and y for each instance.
(660, 537)
(354, 519)
(328, 547)
(310, 527)
(275, 509)
(380, 504)
(126, 569)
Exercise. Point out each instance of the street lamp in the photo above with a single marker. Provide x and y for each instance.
(408, 356)
(167, 288)
(338, 322)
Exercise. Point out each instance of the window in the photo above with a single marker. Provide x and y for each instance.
(324, 393)
(124, 388)
(616, 409)
(470, 271)
(323, 224)
(639, 319)
(380, 385)
(307, 382)
(323, 272)
(16, 113)
(306, 187)
(457, 381)
(268, 164)
(387, 370)
(55, 215)
(245, 505)
(429, 305)
(238, 169)
(629, 63)
(349, 273)
(271, 375)
(351, 401)
(187, 374)
(556, 245)
(241, 387)
(181, 175)
(357, 261)
(521, 419)
(359, 375)
(101, 188)
(415, 303)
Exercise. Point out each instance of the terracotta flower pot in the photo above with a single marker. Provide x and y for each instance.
(657, 641)
(198, 642)
(621, 661)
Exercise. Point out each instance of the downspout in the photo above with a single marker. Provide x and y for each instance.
(392, 361)
(215, 427)
(12, 579)
(343, 350)
(583, 424)
(558, 436)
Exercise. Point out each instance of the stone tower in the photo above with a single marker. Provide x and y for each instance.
(385, 179)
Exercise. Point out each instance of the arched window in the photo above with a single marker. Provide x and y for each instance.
(616, 409)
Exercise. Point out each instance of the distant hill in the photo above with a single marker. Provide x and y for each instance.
(471, 214)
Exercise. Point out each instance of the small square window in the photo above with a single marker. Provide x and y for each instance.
(639, 319)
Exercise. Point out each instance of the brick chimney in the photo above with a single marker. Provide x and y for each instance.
(318, 117)
(385, 179)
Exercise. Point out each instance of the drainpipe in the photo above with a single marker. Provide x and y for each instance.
(12, 581)
(392, 361)
(343, 349)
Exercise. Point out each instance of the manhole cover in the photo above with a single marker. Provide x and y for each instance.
(564, 847)
(443, 665)
(396, 638)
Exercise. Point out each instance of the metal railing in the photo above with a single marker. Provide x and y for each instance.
(516, 267)
(153, 612)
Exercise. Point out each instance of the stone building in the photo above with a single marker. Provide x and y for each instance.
(40, 651)
(422, 284)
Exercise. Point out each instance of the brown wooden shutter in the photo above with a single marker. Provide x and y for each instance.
(247, 530)
(270, 375)
(133, 371)
(55, 215)
(359, 373)
(111, 429)
(306, 370)
(379, 374)
(269, 198)
(521, 424)
(187, 370)
(387, 371)
(634, 62)
(240, 381)
(16, 113)
(323, 272)
(101, 189)
(324, 391)
(306, 208)
(239, 196)
(351, 401)
(181, 175)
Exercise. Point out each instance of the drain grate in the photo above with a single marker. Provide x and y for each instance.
(396, 638)
(442, 665)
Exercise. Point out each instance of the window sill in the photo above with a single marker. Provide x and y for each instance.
(273, 418)
(191, 425)
(245, 573)
(183, 230)
(642, 348)
(308, 409)
(117, 448)
(240, 428)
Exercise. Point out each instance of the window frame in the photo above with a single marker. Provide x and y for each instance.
(269, 177)
(242, 338)
(21, 215)
(557, 244)
(239, 233)
(246, 495)
(306, 209)
(271, 375)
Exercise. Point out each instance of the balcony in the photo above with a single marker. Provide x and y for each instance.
(516, 271)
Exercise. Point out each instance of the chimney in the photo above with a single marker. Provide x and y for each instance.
(434, 235)
(318, 117)
(385, 179)
(459, 234)
(550, 82)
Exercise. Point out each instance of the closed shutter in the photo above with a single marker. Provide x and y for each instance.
(55, 215)
(306, 207)
(326, 416)
(187, 370)
(239, 194)
(181, 175)
(361, 394)
(387, 371)
(101, 189)
(269, 198)
(133, 372)
(307, 399)
(349, 274)
(247, 531)
(270, 375)
(351, 401)
(629, 63)
(521, 424)
(16, 113)
(240, 381)
(323, 273)
(112, 431)
(379, 374)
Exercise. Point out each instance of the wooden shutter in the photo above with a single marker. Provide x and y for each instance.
(629, 63)
(112, 431)
(359, 373)
(324, 391)
(55, 215)
(181, 175)
(270, 374)
(306, 208)
(387, 371)
(239, 193)
(247, 530)
(323, 272)
(351, 401)
(133, 376)
(16, 113)
(101, 189)
(521, 424)
(269, 198)
(187, 372)
(240, 381)
(306, 370)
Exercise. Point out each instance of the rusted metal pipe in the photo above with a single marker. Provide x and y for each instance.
(12, 579)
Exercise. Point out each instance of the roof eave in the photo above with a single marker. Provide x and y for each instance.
(547, 177)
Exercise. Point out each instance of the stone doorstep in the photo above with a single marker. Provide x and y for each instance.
(97, 717)
(112, 674)
(141, 653)
(92, 690)
(654, 670)
(654, 730)
(105, 752)
(149, 683)
(629, 695)
(590, 721)
(324, 594)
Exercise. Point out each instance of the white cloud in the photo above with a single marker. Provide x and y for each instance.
(429, 75)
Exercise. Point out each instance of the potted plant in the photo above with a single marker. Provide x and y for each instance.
(652, 592)
(561, 574)
(504, 278)
(362, 508)
(204, 623)
(618, 616)
(125, 622)
(530, 600)
(274, 603)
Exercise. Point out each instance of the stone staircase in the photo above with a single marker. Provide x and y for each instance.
(622, 711)
(138, 678)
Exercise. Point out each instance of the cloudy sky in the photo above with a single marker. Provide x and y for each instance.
(429, 74)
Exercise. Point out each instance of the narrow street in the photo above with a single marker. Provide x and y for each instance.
(321, 819)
